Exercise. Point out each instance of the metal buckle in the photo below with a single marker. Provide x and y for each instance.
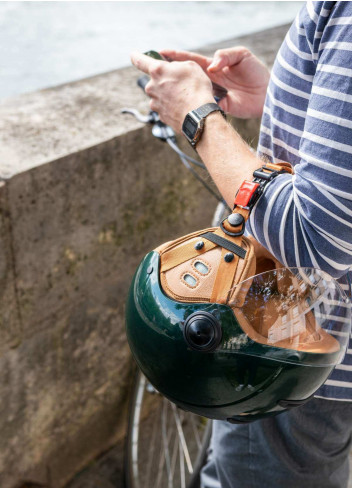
(260, 173)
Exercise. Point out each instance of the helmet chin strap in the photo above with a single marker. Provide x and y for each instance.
(226, 254)
(232, 228)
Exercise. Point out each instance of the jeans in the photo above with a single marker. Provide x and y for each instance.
(307, 446)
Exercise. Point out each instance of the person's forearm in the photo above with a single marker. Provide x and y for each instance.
(227, 157)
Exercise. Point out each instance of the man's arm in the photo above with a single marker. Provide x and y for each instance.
(304, 220)
(179, 87)
(227, 157)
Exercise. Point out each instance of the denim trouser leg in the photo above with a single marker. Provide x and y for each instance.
(305, 447)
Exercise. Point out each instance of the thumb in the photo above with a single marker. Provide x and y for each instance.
(228, 57)
(218, 63)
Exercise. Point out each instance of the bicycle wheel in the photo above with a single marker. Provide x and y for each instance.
(165, 446)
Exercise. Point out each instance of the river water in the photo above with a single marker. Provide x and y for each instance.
(43, 44)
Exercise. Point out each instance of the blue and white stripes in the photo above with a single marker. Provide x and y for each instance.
(306, 219)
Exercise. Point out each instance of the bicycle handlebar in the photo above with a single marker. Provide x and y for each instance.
(164, 132)
(142, 81)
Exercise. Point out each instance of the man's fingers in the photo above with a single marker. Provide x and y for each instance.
(203, 61)
(219, 62)
(143, 62)
(227, 57)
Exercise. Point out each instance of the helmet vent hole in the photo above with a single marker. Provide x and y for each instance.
(201, 267)
(190, 280)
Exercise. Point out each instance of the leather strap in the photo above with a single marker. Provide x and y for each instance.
(227, 270)
(224, 279)
(228, 237)
(225, 274)
(280, 166)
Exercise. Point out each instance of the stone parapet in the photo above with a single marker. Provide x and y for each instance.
(85, 192)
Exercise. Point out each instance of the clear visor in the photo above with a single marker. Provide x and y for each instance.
(301, 315)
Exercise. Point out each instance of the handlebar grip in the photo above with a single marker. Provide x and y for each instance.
(142, 81)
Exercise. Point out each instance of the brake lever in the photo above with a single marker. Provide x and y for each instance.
(151, 118)
(159, 130)
(163, 132)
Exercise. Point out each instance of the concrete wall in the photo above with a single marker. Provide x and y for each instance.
(85, 192)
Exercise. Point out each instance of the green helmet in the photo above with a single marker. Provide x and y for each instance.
(228, 334)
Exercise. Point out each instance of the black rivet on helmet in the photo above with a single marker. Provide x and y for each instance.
(229, 257)
(149, 270)
(202, 331)
(199, 245)
(235, 219)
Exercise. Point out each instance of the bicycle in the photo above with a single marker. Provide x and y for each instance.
(181, 439)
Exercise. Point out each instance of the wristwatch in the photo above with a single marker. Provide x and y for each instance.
(193, 125)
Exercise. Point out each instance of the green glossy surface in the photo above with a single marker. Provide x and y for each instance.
(220, 384)
(154, 54)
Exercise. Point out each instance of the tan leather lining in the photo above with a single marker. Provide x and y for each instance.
(176, 261)
(201, 260)
(325, 344)
(184, 252)
(176, 288)
(219, 285)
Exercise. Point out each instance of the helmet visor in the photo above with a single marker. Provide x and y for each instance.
(300, 315)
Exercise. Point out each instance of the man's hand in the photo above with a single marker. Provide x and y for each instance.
(244, 76)
(174, 88)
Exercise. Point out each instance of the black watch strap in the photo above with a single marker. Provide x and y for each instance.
(207, 109)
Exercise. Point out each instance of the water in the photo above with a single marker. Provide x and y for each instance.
(44, 44)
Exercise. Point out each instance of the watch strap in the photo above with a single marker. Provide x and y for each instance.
(206, 109)
(198, 117)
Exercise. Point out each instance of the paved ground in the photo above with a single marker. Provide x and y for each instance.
(105, 471)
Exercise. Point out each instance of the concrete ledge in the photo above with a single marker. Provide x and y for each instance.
(46, 125)
(85, 192)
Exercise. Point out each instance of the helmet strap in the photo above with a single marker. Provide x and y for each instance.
(235, 263)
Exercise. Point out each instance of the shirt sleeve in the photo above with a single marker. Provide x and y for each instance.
(306, 219)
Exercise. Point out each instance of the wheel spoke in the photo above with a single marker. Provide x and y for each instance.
(160, 468)
(195, 431)
(152, 445)
(158, 435)
(182, 439)
(166, 437)
(182, 464)
(135, 430)
(165, 456)
(174, 457)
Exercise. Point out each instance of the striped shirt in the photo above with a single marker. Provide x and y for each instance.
(306, 219)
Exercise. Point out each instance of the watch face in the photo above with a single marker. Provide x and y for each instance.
(189, 127)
